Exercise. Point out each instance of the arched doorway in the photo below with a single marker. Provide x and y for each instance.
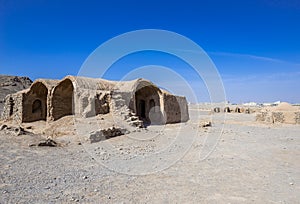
(62, 100)
(35, 103)
(147, 104)
(227, 110)
(238, 110)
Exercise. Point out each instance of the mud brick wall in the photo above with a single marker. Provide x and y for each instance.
(278, 117)
(175, 108)
(13, 107)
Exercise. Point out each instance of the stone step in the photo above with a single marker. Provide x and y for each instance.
(119, 103)
(132, 118)
(137, 123)
(116, 96)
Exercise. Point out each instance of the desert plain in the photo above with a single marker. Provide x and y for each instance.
(235, 160)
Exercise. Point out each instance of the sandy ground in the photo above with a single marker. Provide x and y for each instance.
(234, 161)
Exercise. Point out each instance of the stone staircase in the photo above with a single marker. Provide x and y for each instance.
(121, 110)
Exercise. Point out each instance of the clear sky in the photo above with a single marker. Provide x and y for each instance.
(254, 44)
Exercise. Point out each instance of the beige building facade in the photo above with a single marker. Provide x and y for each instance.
(50, 100)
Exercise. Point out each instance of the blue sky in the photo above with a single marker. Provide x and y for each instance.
(255, 45)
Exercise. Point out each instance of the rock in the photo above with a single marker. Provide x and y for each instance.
(45, 143)
(3, 127)
(19, 131)
(10, 85)
(96, 136)
(104, 134)
(138, 124)
(205, 124)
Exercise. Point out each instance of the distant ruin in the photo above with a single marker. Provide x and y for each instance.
(234, 109)
(50, 100)
(283, 113)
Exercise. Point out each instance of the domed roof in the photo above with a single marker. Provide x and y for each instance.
(284, 106)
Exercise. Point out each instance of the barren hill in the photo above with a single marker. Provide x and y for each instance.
(11, 84)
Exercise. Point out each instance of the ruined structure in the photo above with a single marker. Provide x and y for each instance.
(283, 113)
(140, 99)
(235, 109)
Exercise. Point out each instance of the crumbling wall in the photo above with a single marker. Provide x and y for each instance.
(102, 101)
(139, 100)
(278, 117)
(13, 107)
(289, 117)
(85, 103)
(122, 98)
(175, 108)
(89, 103)
(261, 117)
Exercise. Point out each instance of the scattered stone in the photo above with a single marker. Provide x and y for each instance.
(45, 143)
(19, 131)
(48, 142)
(205, 124)
(3, 127)
(104, 134)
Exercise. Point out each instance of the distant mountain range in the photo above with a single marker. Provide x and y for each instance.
(12, 84)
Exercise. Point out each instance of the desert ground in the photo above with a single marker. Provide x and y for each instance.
(236, 160)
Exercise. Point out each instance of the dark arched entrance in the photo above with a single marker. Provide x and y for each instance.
(147, 104)
(141, 108)
(62, 100)
(35, 103)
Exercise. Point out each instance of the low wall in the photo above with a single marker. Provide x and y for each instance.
(288, 117)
